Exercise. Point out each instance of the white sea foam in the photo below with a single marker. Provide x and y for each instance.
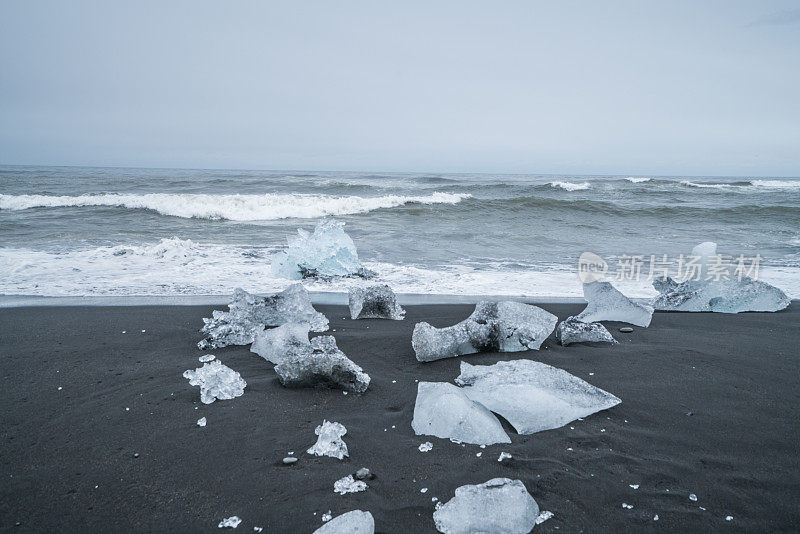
(776, 184)
(571, 186)
(706, 186)
(637, 180)
(270, 206)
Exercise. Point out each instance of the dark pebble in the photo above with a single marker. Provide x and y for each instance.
(626, 329)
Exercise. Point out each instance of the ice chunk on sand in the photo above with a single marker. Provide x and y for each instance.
(504, 326)
(275, 344)
(329, 442)
(498, 505)
(216, 381)
(444, 411)
(206, 358)
(544, 516)
(326, 253)
(532, 396)
(572, 330)
(606, 303)
(249, 314)
(349, 485)
(354, 522)
(425, 447)
(229, 522)
(374, 302)
(321, 364)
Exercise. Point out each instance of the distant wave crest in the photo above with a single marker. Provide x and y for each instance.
(637, 180)
(571, 186)
(232, 207)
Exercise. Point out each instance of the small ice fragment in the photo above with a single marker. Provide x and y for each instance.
(230, 522)
(728, 518)
(478, 454)
(569, 448)
(321, 364)
(693, 497)
(394, 381)
(143, 331)
(349, 485)
(353, 522)
(655, 517)
(572, 330)
(374, 302)
(497, 505)
(258, 529)
(59, 388)
(289, 460)
(425, 447)
(634, 486)
(606, 303)
(703, 509)
(503, 456)
(628, 506)
(201, 422)
(602, 430)
(434, 499)
(543, 516)
(205, 358)
(216, 381)
(326, 516)
(424, 490)
(344, 392)
(124, 332)
(127, 409)
(329, 442)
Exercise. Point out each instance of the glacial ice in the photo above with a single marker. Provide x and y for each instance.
(216, 381)
(709, 294)
(504, 326)
(321, 364)
(326, 253)
(606, 303)
(353, 522)
(229, 522)
(275, 344)
(349, 484)
(374, 302)
(572, 330)
(444, 410)
(329, 442)
(499, 505)
(249, 314)
(530, 395)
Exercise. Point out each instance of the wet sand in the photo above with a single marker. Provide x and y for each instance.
(709, 407)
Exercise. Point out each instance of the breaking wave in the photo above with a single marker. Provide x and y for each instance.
(264, 207)
(570, 186)
(636, 180)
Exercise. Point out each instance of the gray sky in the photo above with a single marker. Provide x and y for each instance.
(665, 87)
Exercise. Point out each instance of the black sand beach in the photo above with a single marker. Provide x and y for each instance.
(709, 407)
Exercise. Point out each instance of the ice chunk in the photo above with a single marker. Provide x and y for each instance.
(532, 396)
(230, 522)
(202, 421)
(275, 344)
(374, 302)
(572, 330)
(499, 505)
(425, 447)
(321, 364)
(326, 253)
(329, 442)
(504, 326)
(249, 314)
(349, 485)
(444, 411)
(216, 381)
(544, 516)
(606, 303)
(354, 522)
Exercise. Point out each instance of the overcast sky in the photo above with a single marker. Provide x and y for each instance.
(664, 87)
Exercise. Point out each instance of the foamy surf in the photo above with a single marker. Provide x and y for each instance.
(571, 186)
(637, 180)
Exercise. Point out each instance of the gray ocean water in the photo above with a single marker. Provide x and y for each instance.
(108, 231)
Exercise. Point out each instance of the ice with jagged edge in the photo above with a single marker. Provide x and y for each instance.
(532, 396)
(330, 442)
(504, 326)
(216, 381)
(326, 253)
(230, 522)
(498, 505)
(275, 344)
(607, 303)
(444, 410)
(374, 302)
(712, 295)
(572, 330)
(321, 364)
(349, 485)
(353, 522)
(248, 314)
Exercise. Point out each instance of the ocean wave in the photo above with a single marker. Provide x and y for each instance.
(637, 180)
(776, 184)
(571, 186)
(705, 185)
(264, 207)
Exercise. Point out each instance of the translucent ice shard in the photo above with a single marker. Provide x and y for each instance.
(321, 364)
(216, 381)
(354, 522)
(230, 522)
(349, 485)
(499, 505)
(504, 326)
(571, 330)
(606, 303)
(532, 396)
(249, 314)
(326, 253)
(275, 344)
(445, 411)
(330, 442)
(374, 302)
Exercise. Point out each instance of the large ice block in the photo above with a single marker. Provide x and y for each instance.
(532, 396)
(444, 411)
(321, 364)
(353, 522)
(374, 302)
(249, 314)
(216, 381)
(504, 326)
(499, 505)
(330, 442)
(275, 344)
(326, 253)
(606, 303)
(571, 330)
